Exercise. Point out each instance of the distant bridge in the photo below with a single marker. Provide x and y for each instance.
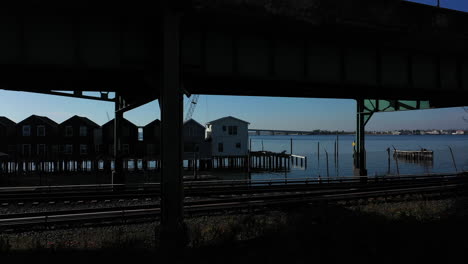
(282, 132)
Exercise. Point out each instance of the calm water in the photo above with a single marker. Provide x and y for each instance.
(376, 149)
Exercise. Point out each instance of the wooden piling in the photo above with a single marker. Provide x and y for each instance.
(453, 158)
(291, 143)
(326, 154)
(318, 154)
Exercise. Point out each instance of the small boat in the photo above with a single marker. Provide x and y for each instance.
(422, 154)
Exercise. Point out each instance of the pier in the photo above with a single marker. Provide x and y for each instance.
(255, 160)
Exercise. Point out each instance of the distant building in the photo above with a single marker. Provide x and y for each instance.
(77, 137)
(37, 137)
(152, 138)
(433, 132)
(7, 136)
(194, 140)
(459, 132)
(129, 141)
(228, 136)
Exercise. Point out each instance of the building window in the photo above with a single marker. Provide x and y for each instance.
(83, 149)
(97, 147)
(220, 147)
(26, 149)
(41, 149)
(83, 131)
(125, 149)
(26, 131)
(232, 130)
(238, 145)
(140, 134)
(55, 149)
(224, 128)
(40, 131)
(68, 149)
(68, 131)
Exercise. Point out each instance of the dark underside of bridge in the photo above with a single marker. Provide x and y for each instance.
(363, 49)
(372, 49)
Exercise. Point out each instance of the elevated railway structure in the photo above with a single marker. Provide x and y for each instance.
(387, 55)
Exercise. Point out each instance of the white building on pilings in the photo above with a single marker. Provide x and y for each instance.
(229, 136)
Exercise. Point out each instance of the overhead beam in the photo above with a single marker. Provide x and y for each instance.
(80, 96)
(132, 106)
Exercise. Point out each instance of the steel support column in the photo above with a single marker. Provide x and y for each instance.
(360, 150)
(172, 225)
(117, 174)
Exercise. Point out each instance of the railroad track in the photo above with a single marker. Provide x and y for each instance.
(206, 189)
(218, 205)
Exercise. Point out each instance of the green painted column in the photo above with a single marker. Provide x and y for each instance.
(360, 149)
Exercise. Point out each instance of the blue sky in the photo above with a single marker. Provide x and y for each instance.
(261, 112)
(451, 4)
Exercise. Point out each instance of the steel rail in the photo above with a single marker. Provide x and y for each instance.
(279, 180)
(203, 192)
(243, 198)
(221, 190)
(214, 205)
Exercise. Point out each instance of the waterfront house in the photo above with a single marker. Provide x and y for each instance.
(152, 138)
(7, 136)
(194, 140)
(228, 136)
(129, 139)
(77, 137)
(37, 137)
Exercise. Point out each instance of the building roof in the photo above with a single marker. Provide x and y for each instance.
(111, 122)
(6, 122)
(82, 118)
(193, 121)
(43, 119)
(154, 122)
(226, 117)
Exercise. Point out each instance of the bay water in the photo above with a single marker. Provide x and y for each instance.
(376, 154)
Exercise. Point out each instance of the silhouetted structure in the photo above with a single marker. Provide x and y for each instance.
(7, 136)
(129, 139)
(36, 136)
(77, 138)
(152, 139)
(194, 137)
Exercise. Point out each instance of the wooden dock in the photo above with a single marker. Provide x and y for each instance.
(269, 161)
(255, 160)
(259, 161)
